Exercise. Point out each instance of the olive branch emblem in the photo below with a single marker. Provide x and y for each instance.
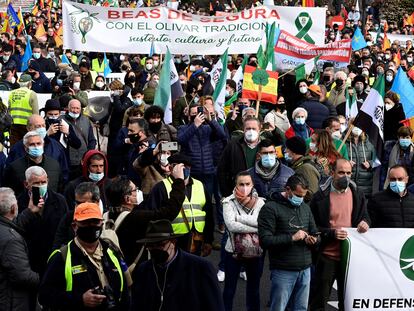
(86, 23)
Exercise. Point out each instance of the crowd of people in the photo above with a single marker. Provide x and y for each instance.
(129, 224)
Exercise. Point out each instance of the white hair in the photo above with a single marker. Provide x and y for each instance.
(340, 75)
(34, 170)
(29, 135)
(246, 110)
(7, 200)
(299, 109)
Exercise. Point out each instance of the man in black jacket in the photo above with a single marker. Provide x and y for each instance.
(123, 195)
(17, 280)
(287, 229)
(337, 205)
(40, 219)
(173, 279)
(86, 274)
(393, 207)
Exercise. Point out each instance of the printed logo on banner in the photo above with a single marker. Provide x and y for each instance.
(85, 24)
(303, 24)
(407, 258)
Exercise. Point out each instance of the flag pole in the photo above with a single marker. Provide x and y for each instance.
(259, 98)
(346, 137)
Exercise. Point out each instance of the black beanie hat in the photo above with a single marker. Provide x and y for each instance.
(297, 145)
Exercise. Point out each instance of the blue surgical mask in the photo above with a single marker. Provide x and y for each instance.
(137, 101)
(36, 55)
(405, 142)
(288, 158)
(268, 160)
(74, 115)
(96, 176)
(397, 186)
(295, 200)
(300, 121)
(186, 172)
(42, 132)
(35, 152)
(43, 190)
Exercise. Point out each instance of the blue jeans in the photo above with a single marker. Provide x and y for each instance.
(290, 285)
(254, 269)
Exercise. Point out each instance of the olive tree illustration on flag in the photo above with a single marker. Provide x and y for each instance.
(85, 24)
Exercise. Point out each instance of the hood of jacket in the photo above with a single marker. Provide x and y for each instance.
(86, 161)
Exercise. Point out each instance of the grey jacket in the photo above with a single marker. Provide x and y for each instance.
(17, 280)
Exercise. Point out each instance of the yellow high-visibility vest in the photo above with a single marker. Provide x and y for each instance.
(96, 67)
(19, 105)
(193, 210)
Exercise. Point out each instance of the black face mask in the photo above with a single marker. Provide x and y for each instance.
(339, 82)
(131, 79)
(159, 256)
(192, 118)
(134, 138)
(89, 234)
(342, 183)
(155, 127)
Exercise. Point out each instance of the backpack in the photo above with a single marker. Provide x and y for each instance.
(109, 227)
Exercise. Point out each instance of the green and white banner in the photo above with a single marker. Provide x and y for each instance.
(379, 272)
(126, 30)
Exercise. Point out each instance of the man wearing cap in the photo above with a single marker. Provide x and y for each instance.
(295, 155)
(87, 273)
(22, 104)
(58, 129)
(173, 280)
(51, 147)
(195, 221)
(40, 83)
(317, 111)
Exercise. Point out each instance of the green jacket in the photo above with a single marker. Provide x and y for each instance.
(278, 221)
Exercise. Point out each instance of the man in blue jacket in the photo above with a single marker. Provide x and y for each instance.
(196, 140)
(40, 84)
(269, 174)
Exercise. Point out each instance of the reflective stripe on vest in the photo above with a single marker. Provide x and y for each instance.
(193, 209)
(19, 106)
(68, 267)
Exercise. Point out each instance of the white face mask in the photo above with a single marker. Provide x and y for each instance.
(164, 159)
(388, 106)
(13, 80)
(148, 66)
(76, 86)
(122, 58)
(312, 147)
(336, 134)
(409, 59)
(100, 84)
(156, 63)
(251, 136)
(192, 68)
(303, 89)
(343, 128)
(389, 78)
(356, 131)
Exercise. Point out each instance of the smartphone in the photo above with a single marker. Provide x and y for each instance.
(242, 107)
(200, 110)
(54, 121)
(170, 146)
(35, 195)
(65, 89)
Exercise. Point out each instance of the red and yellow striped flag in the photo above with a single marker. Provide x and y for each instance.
(386, 44)
(40, 32)
(21, 25)
(35, 10)
(251, 90)
(308, 3)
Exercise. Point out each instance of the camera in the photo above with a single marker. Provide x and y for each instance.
(169, 146)
(110, 302)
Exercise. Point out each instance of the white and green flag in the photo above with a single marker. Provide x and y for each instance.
(218, 77)
(379, 270)
(370, 117)
(351, 107)
(169, 88)
(305, 69)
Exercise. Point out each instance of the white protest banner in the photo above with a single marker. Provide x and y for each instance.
(379, 270)
(392, 37)
(290, 52)
(127, 30)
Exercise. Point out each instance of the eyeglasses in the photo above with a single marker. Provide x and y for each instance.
(292, 225)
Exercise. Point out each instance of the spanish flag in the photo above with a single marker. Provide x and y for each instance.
(57, 37)
(308, 3)
(35, 10)
(20, 27)
(386, 44)
(40, 32)
(397, 59)
(251, 90)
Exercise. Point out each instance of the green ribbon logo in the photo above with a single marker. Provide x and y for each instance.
(304, 23)
(407, 258)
